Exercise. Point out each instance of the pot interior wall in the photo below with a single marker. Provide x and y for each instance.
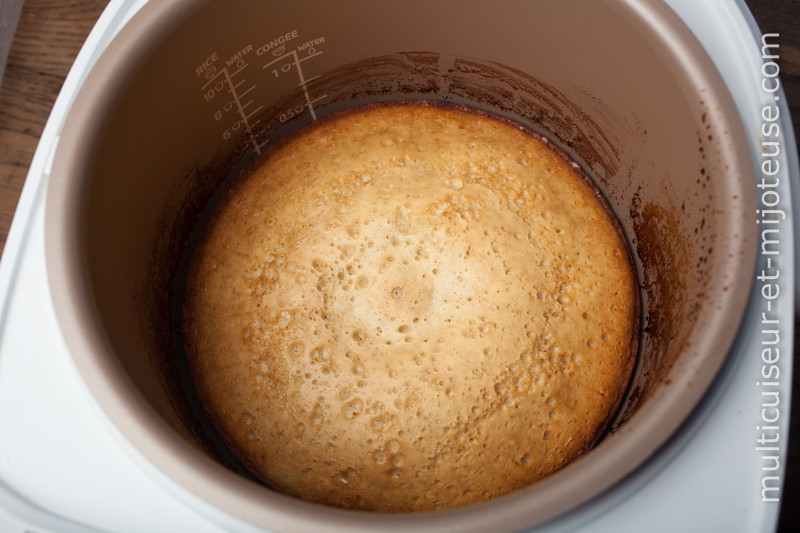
(229, 81)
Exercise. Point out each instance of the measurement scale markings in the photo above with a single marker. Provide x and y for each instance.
(211, 80)
(233, 92)
(254, 112)
(236, 99)
(228, 77)
(221, 72)
(309, 56)
(281, 58)
(238, 70)
(317, 99)
(303, 82)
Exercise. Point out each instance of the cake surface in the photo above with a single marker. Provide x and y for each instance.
(410, 307)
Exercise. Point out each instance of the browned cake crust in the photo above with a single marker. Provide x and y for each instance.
(410, 307)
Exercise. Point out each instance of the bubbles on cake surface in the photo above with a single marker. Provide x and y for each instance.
(352, 409)
(296, 349)
(321, 353)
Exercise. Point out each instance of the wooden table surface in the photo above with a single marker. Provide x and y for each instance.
(51, 32)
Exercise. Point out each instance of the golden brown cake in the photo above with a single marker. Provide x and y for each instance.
(410, 307)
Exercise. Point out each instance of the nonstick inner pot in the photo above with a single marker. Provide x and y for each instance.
(191, 91)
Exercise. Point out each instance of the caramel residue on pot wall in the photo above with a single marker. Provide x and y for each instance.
(489, 85)
(664, 256)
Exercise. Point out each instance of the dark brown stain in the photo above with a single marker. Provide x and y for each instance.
(159, 298)
(664, 255)
(483, 84)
